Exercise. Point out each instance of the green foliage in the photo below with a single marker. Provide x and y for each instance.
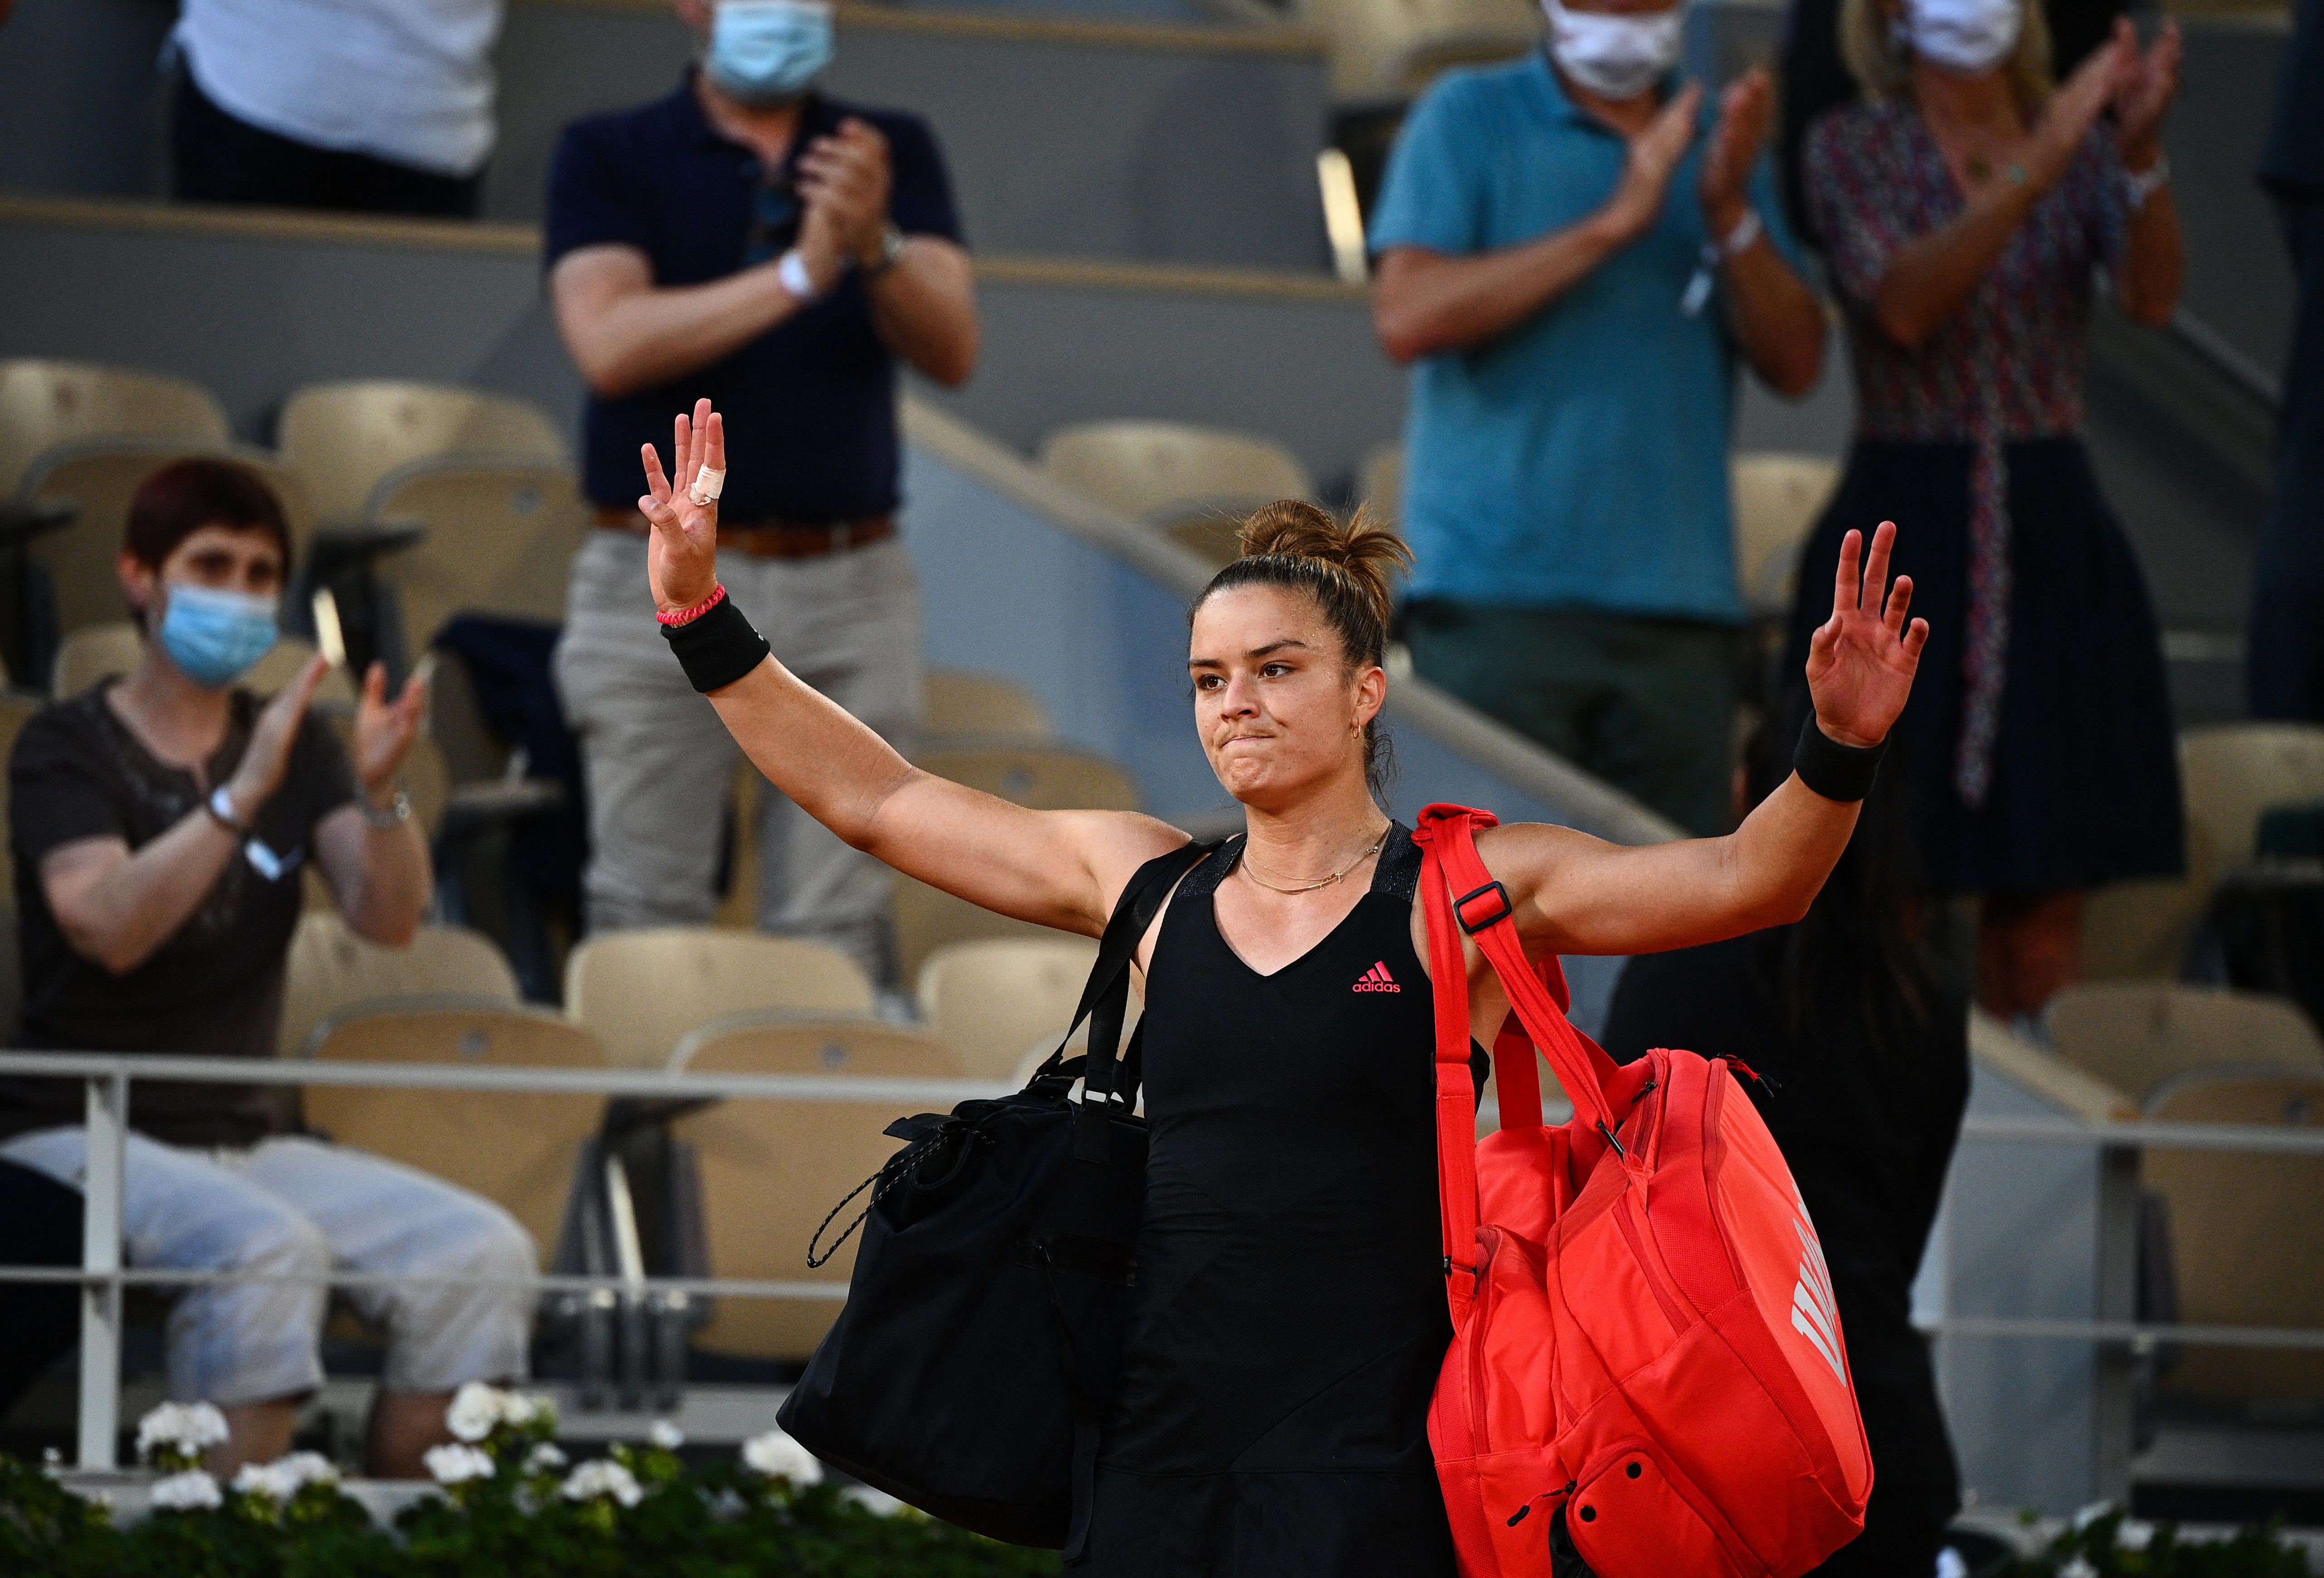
(722, 1521)
(2095, 1547)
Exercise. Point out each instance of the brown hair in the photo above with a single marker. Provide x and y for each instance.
(186, 495)
(1344, 568)
(1882, 63)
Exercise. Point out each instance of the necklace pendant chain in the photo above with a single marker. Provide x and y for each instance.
(1251, 869)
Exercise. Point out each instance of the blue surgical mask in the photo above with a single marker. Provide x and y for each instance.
(213, 636)
(764, 51)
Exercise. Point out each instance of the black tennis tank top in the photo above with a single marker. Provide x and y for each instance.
(1291, 1319)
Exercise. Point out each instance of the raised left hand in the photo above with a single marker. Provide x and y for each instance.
(1733, 152)
(2143, 91)
(1862, 660)
(384, 730)
(847, 177)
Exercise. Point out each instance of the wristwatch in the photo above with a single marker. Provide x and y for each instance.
(397, 811)
(220, 805)
(891, 251)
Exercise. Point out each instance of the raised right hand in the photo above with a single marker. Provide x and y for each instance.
(682, 554)
(268, 755)
(2066, 120)
(1653, 154)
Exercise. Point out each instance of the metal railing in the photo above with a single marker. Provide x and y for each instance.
(103, 1277)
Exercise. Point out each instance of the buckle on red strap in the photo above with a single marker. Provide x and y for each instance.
(1490, 890)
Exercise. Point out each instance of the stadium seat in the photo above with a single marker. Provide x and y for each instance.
(2136, 1035)
(770, 1171)
(500, 537)
(512, 1147)
(993, 1002)
(2230, 774)
(2245, 1249)
(331, 971)
(1778, 499)
(1051, 779)
(344, 439)
(1385, 51)
(98, 476)
(43, 404)
(1380, 484)
(981, 709)
(640, 991)
(1191, 483)
(102, 651)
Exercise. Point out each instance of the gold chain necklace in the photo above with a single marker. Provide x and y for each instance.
(1250, 868)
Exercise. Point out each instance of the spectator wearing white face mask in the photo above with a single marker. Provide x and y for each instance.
(1574, 251)
(750, 239)
(1965, 206)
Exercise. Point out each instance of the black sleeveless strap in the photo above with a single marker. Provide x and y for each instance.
(1398, 875)
(1204, 879)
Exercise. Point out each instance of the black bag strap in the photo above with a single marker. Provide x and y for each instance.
(1107, 1079)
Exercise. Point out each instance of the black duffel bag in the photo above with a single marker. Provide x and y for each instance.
(982, 1335)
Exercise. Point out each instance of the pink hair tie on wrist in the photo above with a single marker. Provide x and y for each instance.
(688, 615)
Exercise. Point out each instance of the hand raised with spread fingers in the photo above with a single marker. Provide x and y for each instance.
(682, 555)
(1862, 660)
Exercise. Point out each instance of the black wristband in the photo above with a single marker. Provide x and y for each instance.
(1834, 770)
(717, 649)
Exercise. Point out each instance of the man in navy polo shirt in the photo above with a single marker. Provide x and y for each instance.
(1574, 253)
(749, 239)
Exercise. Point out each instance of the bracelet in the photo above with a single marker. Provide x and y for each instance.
(790, 271)
(717, 649)
(688, 615)
(1834, 770)
(397, 811)
(220, 805)
(1736, 243)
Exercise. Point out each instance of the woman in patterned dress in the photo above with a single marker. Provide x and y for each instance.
(1966, 205)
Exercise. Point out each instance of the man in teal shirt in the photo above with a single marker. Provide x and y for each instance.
(1572, 251)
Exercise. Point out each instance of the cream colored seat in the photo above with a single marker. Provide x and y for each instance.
(1051, 779)
(772, 1170)
(993, 1002)
(981, 709)
(1385, 51)
(344, 439)
(1380, 484)
(640, 991)
(500, 537)
(2245, 1247)
(2136, 1035)
(99, 477)
(1194, 484)
(103, 651)
(1778, 499)
(2229, 773)
(331, 971)
(512, 1147)
(43, 404)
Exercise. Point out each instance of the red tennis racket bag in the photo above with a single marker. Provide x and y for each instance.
(1647, 1358)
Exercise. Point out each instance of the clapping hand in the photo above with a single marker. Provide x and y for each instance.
(846, 180)
(268, 755)
(384, 730)
(682, 554)
(1744, 111)
(1653, 157)
(2145, 86)
(1862, 660)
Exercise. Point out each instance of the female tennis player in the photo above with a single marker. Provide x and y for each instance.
(1273, 1413)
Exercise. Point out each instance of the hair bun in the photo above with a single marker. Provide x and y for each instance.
(1359, 546)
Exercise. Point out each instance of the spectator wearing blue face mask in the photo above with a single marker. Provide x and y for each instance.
(1575, 250)
(750, 239)
(161, 826)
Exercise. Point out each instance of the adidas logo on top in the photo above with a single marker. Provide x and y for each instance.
(1378, 979)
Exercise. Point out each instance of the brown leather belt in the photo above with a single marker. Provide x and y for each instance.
(790, 539)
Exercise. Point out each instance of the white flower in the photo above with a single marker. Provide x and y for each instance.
(879, 1503)
(475, 1409)
(267, 1479)
(187, 1427)
(544, 1458)
(2079, 1567)
(521, 1408)
(601, 1477)
(457, 1464)
(780, 1457)
(666, 1435)
(191, 1492)
(2091, 1514)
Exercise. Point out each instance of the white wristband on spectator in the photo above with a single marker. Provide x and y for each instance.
(1734, 243)
(791, 270)
(707, 485)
